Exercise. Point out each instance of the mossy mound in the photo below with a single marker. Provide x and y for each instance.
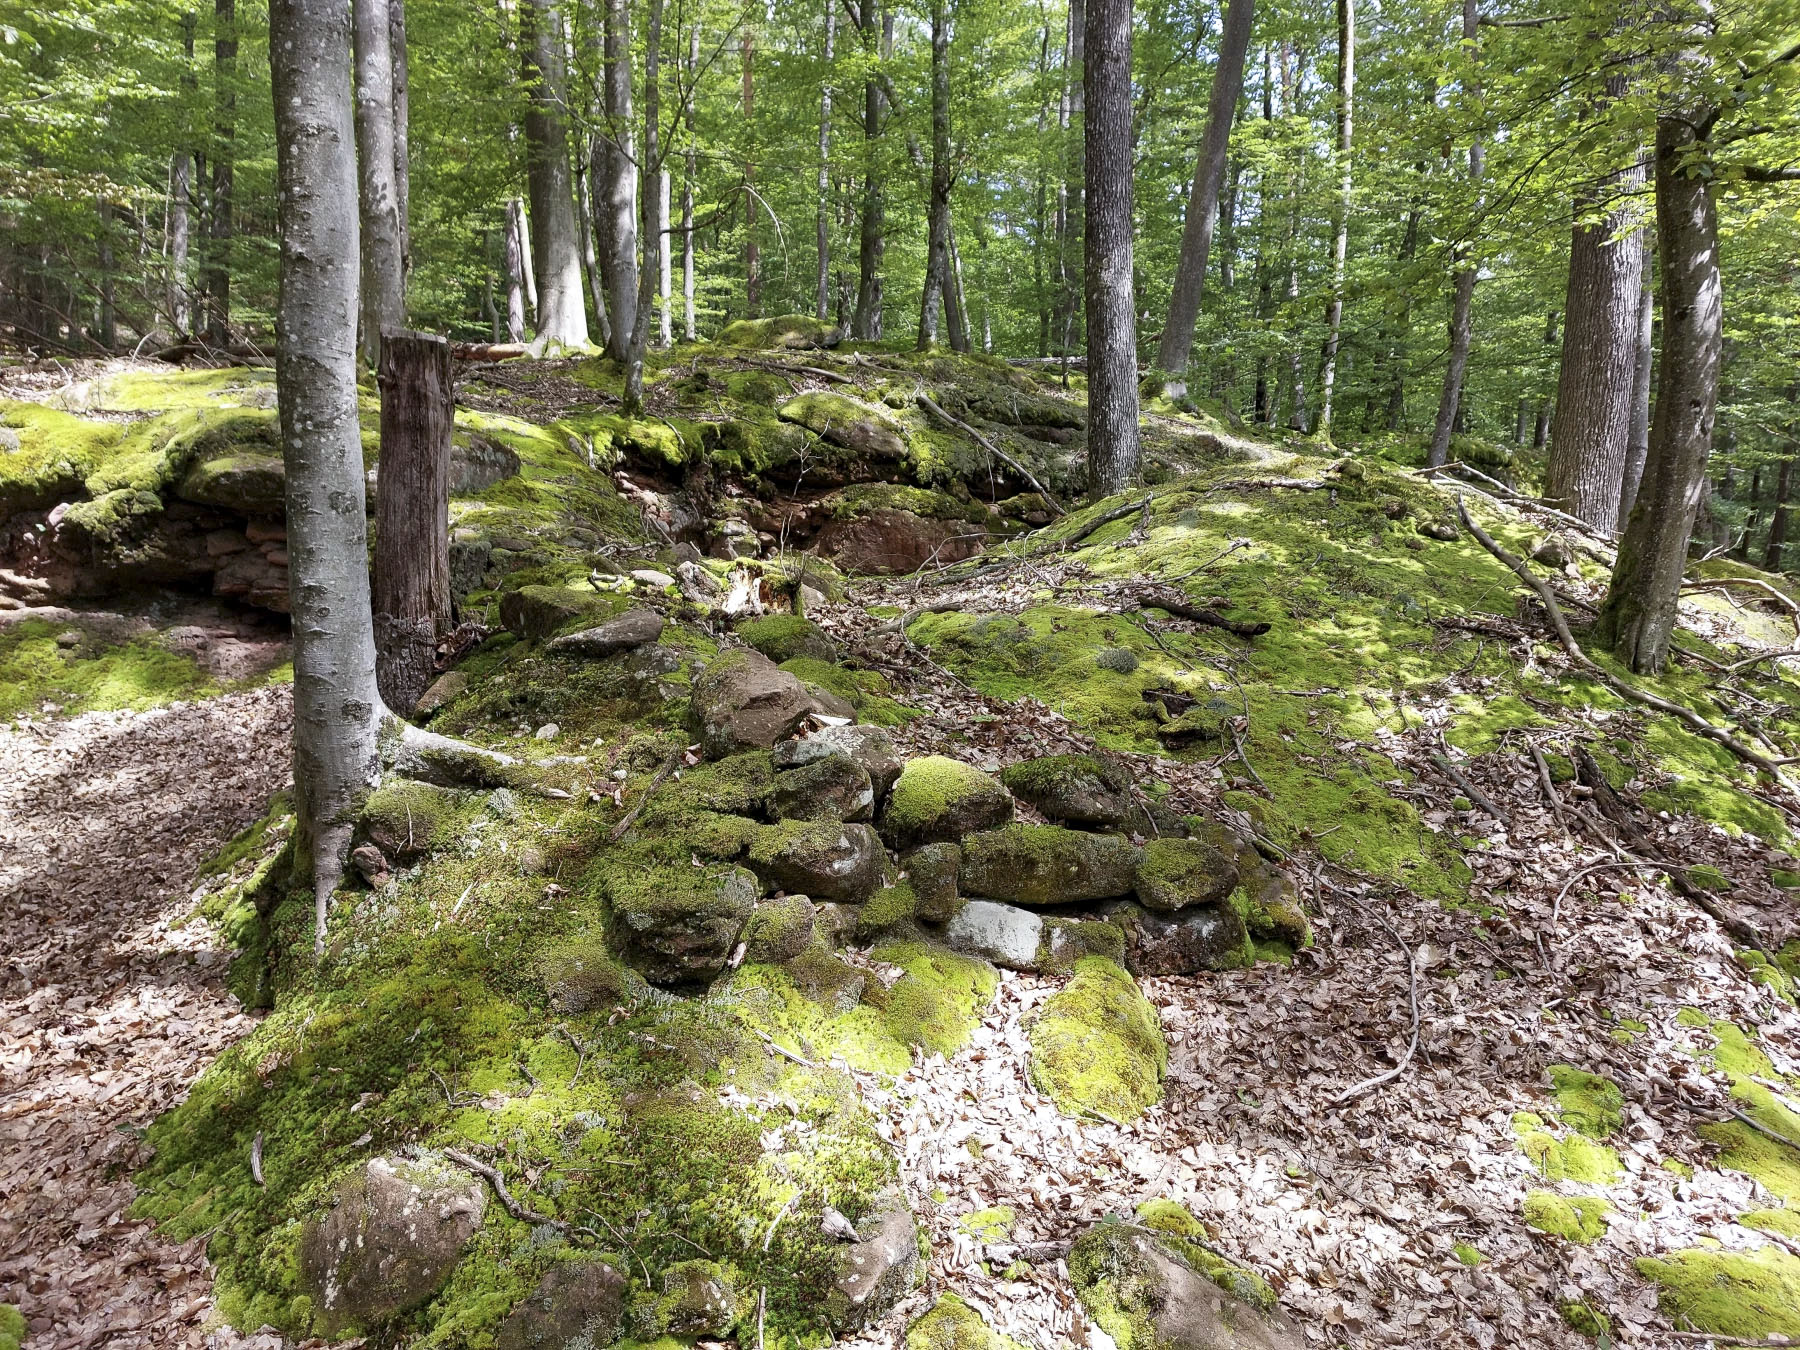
(1178, 1229)
(790, 331)
(939, 800)
(13, 1329)
(1574, 1157)
(36, 668)
(782, 637)
(1588, 1102)
(1580, 1219)
(954, 1325)
(1097, 1047)
(1753, 1295)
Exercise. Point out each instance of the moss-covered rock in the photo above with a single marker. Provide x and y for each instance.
(824, 859)
(1066, 941)
(699, 1298)
(782, 637)
(407, 819)
(252, 485)
(677, 923)
(890, 909)
(1071, 789)
(538, 612)
(791, 332)
(1175, 874)
(779, 930)
(878, 1270)
(939, 999)
(1579, 1219)
(858, 427)
(1186, 1237)
(869, 746)
(1573, 1157)
(939, 800)
(743, 701)
(932, 869)
(954, 1325)
(1209, 938)
(1754, 1295)
(580, 1299)
(581, 974)
(834, 788)
(1097, 1047)
(1047, 865)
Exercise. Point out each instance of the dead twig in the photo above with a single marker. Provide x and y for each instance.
(1183, 609)
(994, 450)
(1547, 785)
(618, 831)
(256, 1172)
(1412, 975)
(1474, 793)
(523, 1213)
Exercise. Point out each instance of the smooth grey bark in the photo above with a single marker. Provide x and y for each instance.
(1340, 225)
(181, 194)
(665, 277)
(516, 270)
(1112, 431)
(218, 250)
(1292, 79)
(752, 245)
(1637, 445)
(1778, 523)
(1462, 304)
(871, 248)
(590, 258)
(1591, 429)
(823, 225)
(655, 208)
(937, 230)
(1639, 615)
(616, 183)
(338, 711)
(1069, 212)
(383, 254)
(555, 242)
(689, 169)
(402, 130)
(1203, 201)
(956, 298)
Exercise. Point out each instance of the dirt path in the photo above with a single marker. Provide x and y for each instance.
(107, 1010)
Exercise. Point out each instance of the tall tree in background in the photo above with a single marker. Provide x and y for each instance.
(555, 243)
(181, 185)
(937, 248)
(656, 206)
(823, 223)
(1066, 313)
(224, 164)
(337, 709)
(1462, 322)
(1637, 441)
(402, 70)
(1112, 436)
(1340, 223)
(1203, 202)
(872, 28)
(616, 183)
(752, 245)
(377, 157)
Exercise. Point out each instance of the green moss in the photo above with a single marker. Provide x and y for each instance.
(1579, 1219)
(954, 1325)
(1573, 1158)
(783, 330)
(13, 1329)
(939, 999)
(35, 670)
(1783, 1221)
(782, 637)
(1467, 1254)
(1186, 1237)
(931, 790)
(864, 690)
(57, 451)
(1679, 1168)
(410, 818)
(1586, 1319)
(1753, 1294)
(988, 1225)
(1587, 1102)
(1097, 1047)
(888, 908)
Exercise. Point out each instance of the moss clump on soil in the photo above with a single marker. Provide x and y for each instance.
(1744, 1149)
(1097, 1047)
(1588, 1102)
(1574, 1157)
(1580, 1219)
(988, 1225)
(1586, 1319)
(35, 669)
(1753, 1295)
(1467, 1254)
(954, 1325)
(782, 637)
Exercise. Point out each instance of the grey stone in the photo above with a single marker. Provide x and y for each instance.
(1071, 789)
(477, 463)
(649, 576)
(625, 632)
(395, 1232)
(536, 612)
(582, 1298)
(1179, 873)
(445, 689)
(1004, 934)
(250, 484)
(697, 584)
(1047, 865)
(877, 1271)
(833, 788)
(871, 747)
(932, 869)
(1066, 941)
(744, 701)
(685, 933)
(1211, 938)
(822, 859)
(699, 1299)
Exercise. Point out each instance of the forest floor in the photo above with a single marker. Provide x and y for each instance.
(110, 1003)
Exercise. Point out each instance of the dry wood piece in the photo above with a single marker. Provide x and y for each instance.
(1473, 793)
(1183, 609)
(1549, 787)
(618, 831)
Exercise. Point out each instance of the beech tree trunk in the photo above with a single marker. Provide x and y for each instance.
(1112, 434)
(1462, 306)
(1340, 227)
(555, 242)
(937, 248)
(1778, 523)
(1637, 445)
(402, 131)
(687, 191)
(655, 204)
(411, 595)
(337, 706)
(872, 238)
(1592, 425)
(516, 272)
(181, 194)
(383, 254)
(616, 184)
(823, 224)
(218, 251)
(1203, 201)
(1070, 210)
(752, 246)
(1639, 615)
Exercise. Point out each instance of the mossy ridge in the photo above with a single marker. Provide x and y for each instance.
(1097, 1046)
(57, 451)
(135, 675)
(1753, 1295)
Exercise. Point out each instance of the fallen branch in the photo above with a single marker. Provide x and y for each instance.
(994, 450)
(256, 1172)
(1181, 609)
(1473, 793)
(1763, 1129)
(817, 372)
(523, 1213)
(1547, 785)
(1623, 688)
(618, 831)
(1516, 498)
(1412, 976)
(1297, 484)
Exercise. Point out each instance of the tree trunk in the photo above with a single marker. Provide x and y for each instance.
(616, 185)
(1400, 353)
(1639, 615)
(687, 191)
(1592, 425)
(383, 266)
(337, 707)
(1112, 436)
(1340, 232)
(1461, 324)
(402, 132)
(752, 247)
(1203, 202)
(555, 242)
(1637, 445)
(872, 240)
(824, 189)
(181, 194)
(937, 248)
(590, 256)
(655, 204)
(1291, 81)
(956, 298)
(411, 596)
(665, 275)
(1778, 523)
(1070, 209)
(516, 272)
(218, 253)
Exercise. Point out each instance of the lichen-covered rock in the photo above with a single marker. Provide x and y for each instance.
(954, 1325)
(782, 637)
(582, 974)
(632, 629)
(939, 800)
(1271, 905)
(1139, 1290)
(537, 612)
(578, 1300)
(1176, 874)
(699, 1299)
(389, 1241)
(679, 924)
(868, 746)
(784, 332)
(1212, 938)
(932, 869)
(779, 930)
(1072, 790)
(743, 701)
(252, 485)
(843, 421)
(1066, 941)
(406, 819)
(877, 1270)
(1004, 934)
(441, 693)
(824, 859)
(833, 788)
(1047, 865)
(1097, 1046)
